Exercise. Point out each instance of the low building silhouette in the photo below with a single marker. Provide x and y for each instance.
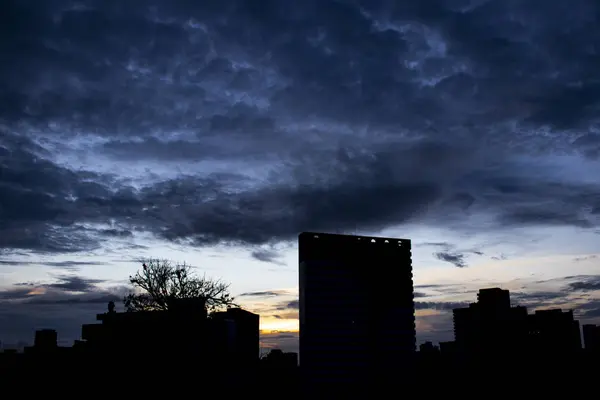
(46, 339)
(491, 325)
(45, 343)
(174, 344)
(230, 337)
(134, 332)
(241, 334)
(554, 331)
(428, 348)
(279, 359)
(492, 328)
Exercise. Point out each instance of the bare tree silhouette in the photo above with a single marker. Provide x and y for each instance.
(159, 282)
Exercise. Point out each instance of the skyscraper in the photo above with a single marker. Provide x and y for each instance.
(356, 308)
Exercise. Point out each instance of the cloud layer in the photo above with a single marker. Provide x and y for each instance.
(227, 122)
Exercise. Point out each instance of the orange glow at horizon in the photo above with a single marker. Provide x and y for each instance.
(427, 312)
(274, 325)
(271, 325)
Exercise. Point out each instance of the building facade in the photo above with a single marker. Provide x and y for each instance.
(356, 307)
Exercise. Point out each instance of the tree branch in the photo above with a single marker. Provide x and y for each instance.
(159, 282)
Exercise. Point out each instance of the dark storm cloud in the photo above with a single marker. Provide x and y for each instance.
(350, 196)
(72, 264)
(368, 113)
(119, 233)
(434, 286)
(63, 305)
(579, 287)
(440, 306)
(585, 284)
(434, 244)
(458, 260)
(75, 284)
(57, 264)
(589, 144)
(42, 205)
(288, 315)
(590, 311)
(66, 289)
(287, 305)
(452, 255)
(266, 256)
(534, 300)
(369, 68)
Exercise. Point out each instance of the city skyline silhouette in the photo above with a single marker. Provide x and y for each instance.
(354, 339)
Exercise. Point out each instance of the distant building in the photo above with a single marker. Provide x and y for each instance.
(46, 339)
(428, 347)
(554, 330)
(279, 359)
(242, 333)
(591, 337)
(46, 346)
(491, 325)
(356, 308)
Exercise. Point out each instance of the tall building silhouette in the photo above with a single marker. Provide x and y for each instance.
(356, 308)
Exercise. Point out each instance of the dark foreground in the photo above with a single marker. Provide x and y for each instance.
(105, 375)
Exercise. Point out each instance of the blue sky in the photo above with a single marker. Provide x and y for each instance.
(214, 132)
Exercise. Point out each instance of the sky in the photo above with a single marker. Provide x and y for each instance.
(214, 132)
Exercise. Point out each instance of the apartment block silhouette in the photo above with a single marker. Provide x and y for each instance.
(356, 308)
